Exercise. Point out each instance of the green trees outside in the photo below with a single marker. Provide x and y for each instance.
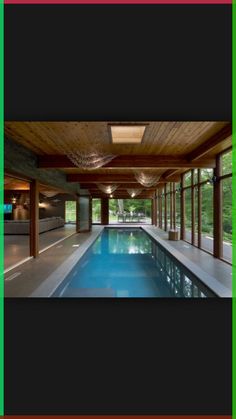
(129, 205)
(227, 209)
(70, 212)
(206, 191)
(121, 205)
(96, 210)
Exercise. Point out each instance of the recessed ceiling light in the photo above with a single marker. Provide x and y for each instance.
(127, 134)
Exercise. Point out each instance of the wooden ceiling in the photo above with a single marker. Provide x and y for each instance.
(12, 183)
(168, 148)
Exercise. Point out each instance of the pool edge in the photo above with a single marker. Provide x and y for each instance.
(208, 280)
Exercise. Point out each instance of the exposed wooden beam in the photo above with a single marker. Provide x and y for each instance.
(109, 178)
(128, 162)
(169, 173)
(204, 148)
(123, 195)
(96, 194)
(122, 186)
(212, 142)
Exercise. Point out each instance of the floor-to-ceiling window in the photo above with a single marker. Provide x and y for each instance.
(196, 203)
(226, 191)
(163, 211)
(168, 206)
(177, 205)
(187, 191)
(96, 210)
(207, 220)
(130, 211)
(198, 208)
(196, 191)
(70, 212)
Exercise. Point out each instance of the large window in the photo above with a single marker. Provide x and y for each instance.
(70, 212)
(168, 210)
(195, 240)
(96, 210)
(163, 209)
(202, 221)
(226, 194)
(188, 214)
(177, 205)
(207, 217)
(130, 211)
(227, 218)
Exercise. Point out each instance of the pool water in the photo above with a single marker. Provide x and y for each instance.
(127, 262)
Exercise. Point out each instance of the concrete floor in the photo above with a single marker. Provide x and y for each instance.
(16, 247)
(27, 278)
(23, 280)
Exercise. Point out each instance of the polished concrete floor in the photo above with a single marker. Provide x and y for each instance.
(16, 247)
(25, 279)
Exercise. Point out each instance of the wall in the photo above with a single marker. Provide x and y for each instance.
(54, 209)
(51, 209)
(26, 164)
(21, 209)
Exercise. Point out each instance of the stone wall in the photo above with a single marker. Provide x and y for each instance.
(22, 161)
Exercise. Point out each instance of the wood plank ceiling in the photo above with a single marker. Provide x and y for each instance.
(168, 148)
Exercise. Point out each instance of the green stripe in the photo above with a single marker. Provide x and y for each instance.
(1, 214)
(234, 206)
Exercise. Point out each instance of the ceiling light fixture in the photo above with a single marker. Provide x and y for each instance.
(108, 189)
(147, 179)
(134, 192)
(89, 160)
(49, 194)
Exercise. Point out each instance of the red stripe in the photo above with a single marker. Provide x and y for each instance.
(117, 1)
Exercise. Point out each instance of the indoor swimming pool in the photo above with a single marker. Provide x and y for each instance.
(127, 262)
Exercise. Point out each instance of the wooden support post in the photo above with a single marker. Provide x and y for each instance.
(171, 206)
(104, 211)
(34, 218)
(217, 206)
(182, 210)
(192, 209)
(77, 215)
(154, 210)
(165, 209)
(174, 207)
(160, 210)
(199, 211)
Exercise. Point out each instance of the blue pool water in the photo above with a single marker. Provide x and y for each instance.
(127, 262)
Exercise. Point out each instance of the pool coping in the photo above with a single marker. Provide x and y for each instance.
(53, 281)
(208, 280)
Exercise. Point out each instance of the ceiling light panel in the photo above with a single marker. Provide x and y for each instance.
(127, 134)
